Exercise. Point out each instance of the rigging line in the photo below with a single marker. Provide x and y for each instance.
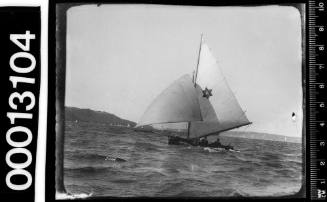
(214, 133)
(197, 66)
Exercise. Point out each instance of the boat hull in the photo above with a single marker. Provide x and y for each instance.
(174, 140)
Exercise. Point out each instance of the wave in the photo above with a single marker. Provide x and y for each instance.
(145, 146)
(227, 192)
(268, 156)
(155, 175)
(89, 170)
(123, 181)
(84, 155)
(91, 157)
(245, 169)
(157, 169)
(170, 188)
(63, 196)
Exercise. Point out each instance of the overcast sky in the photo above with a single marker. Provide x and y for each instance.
(120, 57)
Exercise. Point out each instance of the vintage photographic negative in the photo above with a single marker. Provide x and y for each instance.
(179, 101)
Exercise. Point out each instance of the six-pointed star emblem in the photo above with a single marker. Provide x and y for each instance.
(207, 93)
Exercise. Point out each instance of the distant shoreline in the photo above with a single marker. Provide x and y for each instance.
(75, 114)
(262, 136)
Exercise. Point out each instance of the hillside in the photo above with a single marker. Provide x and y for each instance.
(88, 115)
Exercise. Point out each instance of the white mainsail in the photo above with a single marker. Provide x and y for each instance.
(207, 103)
(215, 90)
(177, 103)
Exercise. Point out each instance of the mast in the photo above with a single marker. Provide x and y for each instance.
(194, 81)
(197, 66)
(188, 129)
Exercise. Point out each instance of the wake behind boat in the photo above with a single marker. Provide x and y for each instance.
(205, 102)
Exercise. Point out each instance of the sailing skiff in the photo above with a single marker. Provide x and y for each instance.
(205, 102)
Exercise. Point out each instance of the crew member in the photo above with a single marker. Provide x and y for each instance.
(216, 143)
(203, 142)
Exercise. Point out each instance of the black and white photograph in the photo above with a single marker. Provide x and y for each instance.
(180, 101)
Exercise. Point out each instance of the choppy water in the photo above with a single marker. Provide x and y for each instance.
(154, 168)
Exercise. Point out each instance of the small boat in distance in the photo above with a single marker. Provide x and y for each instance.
(205, 102)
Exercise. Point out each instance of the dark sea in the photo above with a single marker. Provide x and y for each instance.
(154, 168)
